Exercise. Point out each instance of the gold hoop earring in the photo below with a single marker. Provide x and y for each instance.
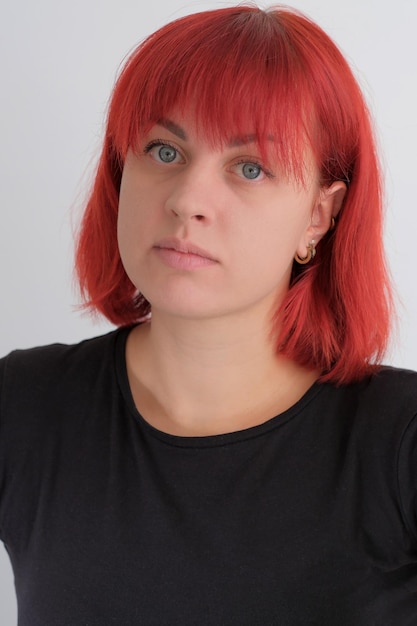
(311, 253)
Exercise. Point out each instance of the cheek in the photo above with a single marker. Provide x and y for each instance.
(129, 228)
(278, 232)
(134, 215)
(124, 225)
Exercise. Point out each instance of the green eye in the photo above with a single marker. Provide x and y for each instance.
(167, 154)
(251, 170)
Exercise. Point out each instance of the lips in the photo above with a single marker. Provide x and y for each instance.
(183, 256)
(184, 247)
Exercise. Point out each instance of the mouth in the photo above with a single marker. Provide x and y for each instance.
(179, 254)
(184, 247)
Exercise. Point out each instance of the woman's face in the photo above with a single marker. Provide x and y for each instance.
(211, 232)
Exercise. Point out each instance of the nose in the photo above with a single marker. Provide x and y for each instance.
(191, 197)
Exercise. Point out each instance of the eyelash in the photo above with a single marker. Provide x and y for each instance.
(263, 169)
(159, 142)
(162, 142)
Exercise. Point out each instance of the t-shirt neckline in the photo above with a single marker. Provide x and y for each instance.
(206, 441)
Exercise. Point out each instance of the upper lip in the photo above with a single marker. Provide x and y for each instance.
(182, 245)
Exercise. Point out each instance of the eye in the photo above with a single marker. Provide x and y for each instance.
(167, 154)
(162, 152)
(251, 170)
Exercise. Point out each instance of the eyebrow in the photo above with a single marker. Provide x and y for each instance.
(233, 143)
(241, 141)
(173, 128)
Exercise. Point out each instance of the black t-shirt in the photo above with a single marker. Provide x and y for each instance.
(307, 519)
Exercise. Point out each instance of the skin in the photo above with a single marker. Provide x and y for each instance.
(206, 364)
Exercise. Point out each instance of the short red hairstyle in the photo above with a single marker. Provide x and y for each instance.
(276, 73)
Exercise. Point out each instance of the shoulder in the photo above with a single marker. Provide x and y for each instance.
(26, 375)
(393, 379)
(388, 390)
(41, 359)
(51, 391)
(392, 388)
(374, 424)
(57, 352)
(374, 412)
(392, 436)
(394, 392)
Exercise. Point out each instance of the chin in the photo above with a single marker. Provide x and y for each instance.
(182, 300)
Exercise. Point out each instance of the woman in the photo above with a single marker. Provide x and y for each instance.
(234, 453)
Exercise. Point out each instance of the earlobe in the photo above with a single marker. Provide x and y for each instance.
(311, 253)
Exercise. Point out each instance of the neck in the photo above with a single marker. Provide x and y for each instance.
(210, 376)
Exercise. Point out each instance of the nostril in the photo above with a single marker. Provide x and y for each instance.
(199, 217)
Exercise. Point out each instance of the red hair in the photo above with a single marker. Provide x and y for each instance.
(276, 73)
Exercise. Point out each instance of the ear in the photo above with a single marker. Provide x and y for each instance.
(326, 207)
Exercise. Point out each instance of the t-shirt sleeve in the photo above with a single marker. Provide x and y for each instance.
(3, 364)
(25, 377)
(407, 475)
(48, 395)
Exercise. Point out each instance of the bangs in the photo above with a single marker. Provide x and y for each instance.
(240, 78)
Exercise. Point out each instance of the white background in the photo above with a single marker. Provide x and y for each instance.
(58, 64)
